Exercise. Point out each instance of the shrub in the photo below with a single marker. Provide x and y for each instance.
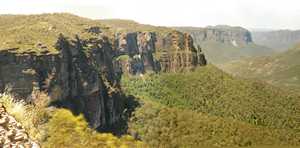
(66, 130)
(32, 117)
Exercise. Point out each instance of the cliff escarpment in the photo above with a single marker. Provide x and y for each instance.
(139, 52)
(78, 62)
(78, 78)
(223, 44)
(279, 40)
(235, 36)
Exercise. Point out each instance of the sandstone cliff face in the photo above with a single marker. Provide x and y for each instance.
(141, 52)
(83, 80)
(138, 49)
(235, 36)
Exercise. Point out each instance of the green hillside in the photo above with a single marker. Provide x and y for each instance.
(281, 69)
(209, 107)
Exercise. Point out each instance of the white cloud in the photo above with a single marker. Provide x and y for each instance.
(247, 13)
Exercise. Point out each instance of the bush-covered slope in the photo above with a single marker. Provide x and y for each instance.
(209, 99)
(172, 127)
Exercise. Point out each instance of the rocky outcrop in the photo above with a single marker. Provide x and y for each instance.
(235, 36)
(12, 133)
(81, 77)
(139, 52)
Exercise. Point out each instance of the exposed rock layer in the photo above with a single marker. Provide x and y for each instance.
(140, 52)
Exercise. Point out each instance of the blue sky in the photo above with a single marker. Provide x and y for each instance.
(272, 14)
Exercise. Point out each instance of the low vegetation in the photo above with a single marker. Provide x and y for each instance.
(66, 130)
(32, 117)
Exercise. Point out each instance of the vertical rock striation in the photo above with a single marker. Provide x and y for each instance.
(141, 52)
(81, 77)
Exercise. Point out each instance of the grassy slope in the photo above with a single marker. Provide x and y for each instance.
(280, 69)
(209, 107)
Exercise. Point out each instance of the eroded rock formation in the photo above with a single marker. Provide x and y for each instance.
(140, 52)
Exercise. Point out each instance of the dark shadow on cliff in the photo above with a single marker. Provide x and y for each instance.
(130, 103)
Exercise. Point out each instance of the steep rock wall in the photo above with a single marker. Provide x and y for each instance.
(139, 52)
(83, 80)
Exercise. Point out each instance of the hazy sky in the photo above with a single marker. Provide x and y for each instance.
(275, 14)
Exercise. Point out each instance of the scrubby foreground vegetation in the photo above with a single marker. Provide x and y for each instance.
(53, 127)
(209, 107)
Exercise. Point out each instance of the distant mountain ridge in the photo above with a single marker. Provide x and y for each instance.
(281, 69)
(279, 40)
(224, 43)
(235, 36)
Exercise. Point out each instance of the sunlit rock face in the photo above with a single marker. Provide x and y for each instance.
(142, 52)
